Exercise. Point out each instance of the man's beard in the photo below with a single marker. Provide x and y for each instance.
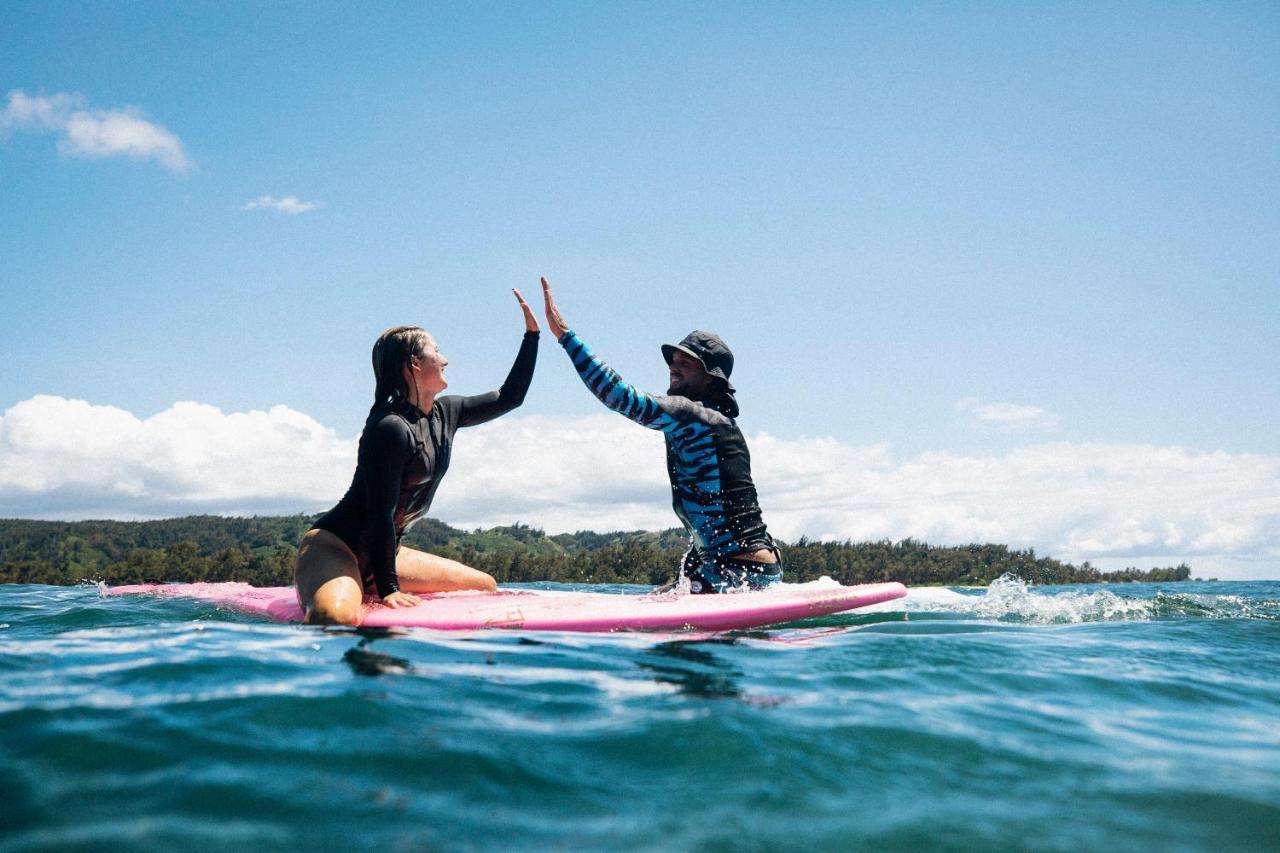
(682, 389)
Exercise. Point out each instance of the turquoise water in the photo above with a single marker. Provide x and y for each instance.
(1056, 718)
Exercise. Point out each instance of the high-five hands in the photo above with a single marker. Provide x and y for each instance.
(555, 322)
(530, 323)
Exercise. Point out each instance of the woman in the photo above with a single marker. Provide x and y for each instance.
(404, 452)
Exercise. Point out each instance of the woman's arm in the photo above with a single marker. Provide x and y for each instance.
(485, 407)
(384, 449)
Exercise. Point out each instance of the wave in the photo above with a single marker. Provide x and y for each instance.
(1011, 599)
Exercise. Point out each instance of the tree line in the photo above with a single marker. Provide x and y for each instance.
(260, 551)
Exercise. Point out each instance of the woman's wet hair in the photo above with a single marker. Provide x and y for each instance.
(391, 352)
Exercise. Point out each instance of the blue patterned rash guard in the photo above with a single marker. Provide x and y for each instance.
(707, 461)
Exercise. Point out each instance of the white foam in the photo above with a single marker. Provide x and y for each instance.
(1012, 599)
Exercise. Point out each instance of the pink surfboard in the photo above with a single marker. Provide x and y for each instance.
(553, 610)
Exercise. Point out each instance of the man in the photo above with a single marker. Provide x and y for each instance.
(707, 458)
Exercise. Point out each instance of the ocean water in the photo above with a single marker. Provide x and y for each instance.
(1135, 717)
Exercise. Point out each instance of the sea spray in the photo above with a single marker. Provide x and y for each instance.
(1011, 599)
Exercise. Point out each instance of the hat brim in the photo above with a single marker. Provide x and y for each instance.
(669, 350)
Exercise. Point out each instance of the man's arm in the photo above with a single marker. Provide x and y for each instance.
(662, 413)
(609, 388)
(606, 384)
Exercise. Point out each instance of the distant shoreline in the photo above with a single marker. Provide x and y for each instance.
(260, 550)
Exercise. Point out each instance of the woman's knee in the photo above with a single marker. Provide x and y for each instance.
(462, 576)
(423, 572)
(318, 614)
(336, 602)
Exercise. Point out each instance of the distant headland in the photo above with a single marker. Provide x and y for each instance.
(260, 551)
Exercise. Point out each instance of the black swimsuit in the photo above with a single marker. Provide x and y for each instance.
(403, 455)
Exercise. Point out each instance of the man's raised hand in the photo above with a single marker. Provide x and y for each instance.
(555, 322)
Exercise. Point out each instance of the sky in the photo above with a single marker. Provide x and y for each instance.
(991, 272)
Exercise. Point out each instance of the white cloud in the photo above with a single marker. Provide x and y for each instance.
(94, 133)
(64, 458)
(1112, 504)
(1009, 417)
(287, 204)
(43, 113)
(101, 133)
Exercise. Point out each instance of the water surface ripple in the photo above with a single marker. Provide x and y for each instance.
(1141, 716)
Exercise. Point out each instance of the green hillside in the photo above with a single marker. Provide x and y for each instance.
(260, 550)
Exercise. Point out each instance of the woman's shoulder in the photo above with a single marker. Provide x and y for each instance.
(448, 407)
(387, 427)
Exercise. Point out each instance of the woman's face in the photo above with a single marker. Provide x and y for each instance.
(428, 370)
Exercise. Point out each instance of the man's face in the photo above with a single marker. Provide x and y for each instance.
(688, 379)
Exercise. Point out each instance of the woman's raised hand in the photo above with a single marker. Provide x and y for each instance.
(530, 323)
(555, 322)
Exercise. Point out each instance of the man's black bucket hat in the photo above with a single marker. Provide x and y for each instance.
(709, 349)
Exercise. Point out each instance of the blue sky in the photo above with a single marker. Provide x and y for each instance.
(955, 232)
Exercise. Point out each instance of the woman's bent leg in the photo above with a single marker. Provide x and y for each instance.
(328, 579)
(422, 572)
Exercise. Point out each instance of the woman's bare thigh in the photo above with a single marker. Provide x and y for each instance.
(328, 579)
(422, 572)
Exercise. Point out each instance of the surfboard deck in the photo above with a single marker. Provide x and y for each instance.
(557, 610)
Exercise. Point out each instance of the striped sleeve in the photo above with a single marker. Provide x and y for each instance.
(609, 388)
